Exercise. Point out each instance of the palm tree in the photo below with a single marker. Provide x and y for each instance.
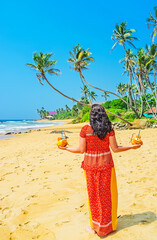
(44, 65)
(67, 108)
(80, 59)
(81, 63)
(152, 52)
(85, 91)
(121, 35)
(93, 95)
(129, 64)
(105, 95)
(153, 21)
(143, 68)
(121, 89)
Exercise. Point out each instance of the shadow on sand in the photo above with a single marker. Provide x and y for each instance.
(130, 220)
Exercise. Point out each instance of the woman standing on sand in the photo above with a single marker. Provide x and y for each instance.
(96, 140)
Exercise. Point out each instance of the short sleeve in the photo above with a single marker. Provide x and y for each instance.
(112, 133)
(83, 131)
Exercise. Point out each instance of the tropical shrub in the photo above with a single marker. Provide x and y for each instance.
(85, 117)
(111, 117)
(130, 116)
(151, 121)
(116, 104)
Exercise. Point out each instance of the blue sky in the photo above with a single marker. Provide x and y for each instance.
(57, 26)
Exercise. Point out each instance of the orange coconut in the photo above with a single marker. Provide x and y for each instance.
(136, 140)
(62, 142)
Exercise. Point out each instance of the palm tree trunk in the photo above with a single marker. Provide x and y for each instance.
(72, 99)
(131, 90)
(149, 84)
(142, 89)
(134, 100)
(127, 101)
(81, 102)
(84, 88)
(110, 93)
(155, 88)
(139, 93)
(149, 106)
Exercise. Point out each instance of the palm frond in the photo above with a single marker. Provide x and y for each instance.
(130, 43)
(114, 46)
(31, 65)
(53, 71)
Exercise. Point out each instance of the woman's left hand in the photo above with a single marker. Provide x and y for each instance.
(62, 148)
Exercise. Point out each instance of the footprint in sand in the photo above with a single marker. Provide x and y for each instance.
(31, 196)
(34, 179)
(46, 187)
(46, 172)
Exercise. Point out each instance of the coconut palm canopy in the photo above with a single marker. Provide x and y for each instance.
(80, 58)
(43, 65)
(121, 35)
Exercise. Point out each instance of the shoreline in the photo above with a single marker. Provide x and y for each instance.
(10, 133)
(48, 121)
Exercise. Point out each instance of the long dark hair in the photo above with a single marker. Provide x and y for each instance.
(99, 121)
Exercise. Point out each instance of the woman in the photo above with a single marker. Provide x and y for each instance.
(96, 140)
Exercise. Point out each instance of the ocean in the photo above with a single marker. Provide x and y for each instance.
(15, 126)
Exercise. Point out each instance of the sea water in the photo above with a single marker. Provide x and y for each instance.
(15, 126)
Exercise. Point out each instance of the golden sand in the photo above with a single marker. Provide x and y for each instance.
(43, 191)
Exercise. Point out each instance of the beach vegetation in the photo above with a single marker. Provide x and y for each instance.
(42, 112)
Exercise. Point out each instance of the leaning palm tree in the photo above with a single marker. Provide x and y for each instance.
(44, 65)
(153, 22)
(80, 59)
(121, 35)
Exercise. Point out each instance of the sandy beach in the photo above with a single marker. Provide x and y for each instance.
(43, 191)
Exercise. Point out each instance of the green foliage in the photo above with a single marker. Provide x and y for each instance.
(129, 116)
(65, 115)
(107, 104)
(43, 113)
(117, 111)
(85, 117)
(151, 121)
(85, 109)
(116, 104)
(111, 117)
(73, 121)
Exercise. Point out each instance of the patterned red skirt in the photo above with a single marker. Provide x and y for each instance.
(103, 199)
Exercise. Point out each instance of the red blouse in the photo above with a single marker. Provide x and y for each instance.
(97, 155)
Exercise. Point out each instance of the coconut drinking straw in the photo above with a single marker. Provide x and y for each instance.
(62, 134)
(138, 134)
